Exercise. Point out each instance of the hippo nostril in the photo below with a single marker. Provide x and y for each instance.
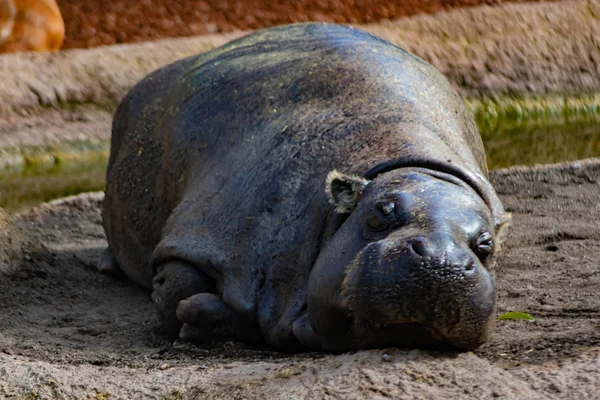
(470, 266)
(158, 281)
(418, 246)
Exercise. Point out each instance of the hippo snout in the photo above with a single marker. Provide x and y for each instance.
(423, 289)
(425, 250)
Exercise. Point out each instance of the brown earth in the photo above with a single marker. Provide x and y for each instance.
(91, 23)
(67, 331)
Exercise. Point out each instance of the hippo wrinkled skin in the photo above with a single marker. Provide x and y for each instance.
(305, 186)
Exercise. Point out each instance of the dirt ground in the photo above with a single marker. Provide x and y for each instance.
(69, 332)
(91, 23)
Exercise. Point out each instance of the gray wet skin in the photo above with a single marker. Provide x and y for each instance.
(306, 186)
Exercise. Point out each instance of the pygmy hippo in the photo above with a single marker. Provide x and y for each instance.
(305, 186)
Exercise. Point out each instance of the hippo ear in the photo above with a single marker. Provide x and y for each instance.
(344, 191)
(501, 229)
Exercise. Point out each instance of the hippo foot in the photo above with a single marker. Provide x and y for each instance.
(176, 281)
(108, 264)
(305, 334)
(206, 317)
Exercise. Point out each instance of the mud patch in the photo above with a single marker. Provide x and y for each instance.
(67, 331)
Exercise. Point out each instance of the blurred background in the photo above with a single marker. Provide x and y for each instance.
(36, 24)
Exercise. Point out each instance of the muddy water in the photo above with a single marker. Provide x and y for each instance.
(30, 176)
(34, 175)
(535, 144)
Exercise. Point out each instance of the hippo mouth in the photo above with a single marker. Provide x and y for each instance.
(413, 335)
(410, 334)
(462, 176)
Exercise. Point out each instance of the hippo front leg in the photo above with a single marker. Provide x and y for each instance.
(174, 282)
(108, 264)
(187, 305)
(207, 317)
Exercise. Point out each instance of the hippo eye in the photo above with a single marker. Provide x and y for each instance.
(484, 245)
(386, 209)
(379, 222)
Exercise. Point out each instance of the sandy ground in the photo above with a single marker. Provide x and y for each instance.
(67, 331)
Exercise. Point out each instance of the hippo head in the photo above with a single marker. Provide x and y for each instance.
(409, 263)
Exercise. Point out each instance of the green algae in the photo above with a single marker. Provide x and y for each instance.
(538, 144)
(538, 130)
(33, 175)
(497, 114)
(515, 131)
